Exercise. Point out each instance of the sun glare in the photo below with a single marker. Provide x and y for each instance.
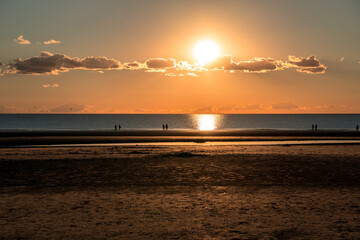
(206, 51)
(206, 122)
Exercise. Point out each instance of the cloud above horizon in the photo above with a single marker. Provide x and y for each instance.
(52, 41)
(309, 65)
(55, 85)
(51, 64)
(160, 63)
(133, 65)
(258, 64)
(48, 63)
(66, 108)
(21, 40)
(284, 105)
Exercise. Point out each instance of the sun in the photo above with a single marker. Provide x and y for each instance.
(206, 51)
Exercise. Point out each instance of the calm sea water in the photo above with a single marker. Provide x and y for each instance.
(176, 121)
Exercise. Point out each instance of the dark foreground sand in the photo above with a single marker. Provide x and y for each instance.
(180, 192)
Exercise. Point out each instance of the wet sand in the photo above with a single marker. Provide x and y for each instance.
(180, 192)
(21, 138)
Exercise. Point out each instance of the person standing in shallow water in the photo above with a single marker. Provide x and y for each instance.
(115, 127)
(312, 127)
(163, 127)
(357, 127)
(166, 126)
(315, 127)
(119, 127)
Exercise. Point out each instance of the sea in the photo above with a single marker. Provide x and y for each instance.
(177, 121)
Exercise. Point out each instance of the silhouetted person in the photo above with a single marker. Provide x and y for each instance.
(312, 127)
(163, 127)
(357, 127)
(166, 126)
(315, 127)
(115, 127)
(119, 127)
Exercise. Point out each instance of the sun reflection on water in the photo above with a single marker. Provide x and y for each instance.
(207, 122)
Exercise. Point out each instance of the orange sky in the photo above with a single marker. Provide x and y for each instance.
(138, 57)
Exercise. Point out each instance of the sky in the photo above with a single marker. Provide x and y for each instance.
(87, 56)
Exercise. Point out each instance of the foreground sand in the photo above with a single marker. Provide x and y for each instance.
(180, 192)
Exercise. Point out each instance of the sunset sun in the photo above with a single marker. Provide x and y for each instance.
(206, 51)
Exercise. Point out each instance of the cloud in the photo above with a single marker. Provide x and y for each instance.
(156, 70)
(99, 63)
(4, 109)
(254, 106)
(174, 75)
(314, 70)
(241, 108)
(71, 107)
(52, 41)
(183, 65)
(49, 85)
(258, 64)
(132, 65)
(139, 110)
(21, 40)
(48, 63)
(308, 65)
(304, 62)
(232, 108)
(171, 74)
(7, 109)
(160, 63)
(192, 74)
(284, 106)
(204, 110)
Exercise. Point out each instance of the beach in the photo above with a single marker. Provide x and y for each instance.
(12, 138)
(198, 191)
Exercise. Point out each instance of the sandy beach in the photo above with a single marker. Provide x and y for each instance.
(179, 192)
(13, 138)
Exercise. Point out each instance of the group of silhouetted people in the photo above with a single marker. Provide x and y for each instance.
(314, 127)
(165, 127)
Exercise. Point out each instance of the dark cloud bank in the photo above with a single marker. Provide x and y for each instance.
(48, 63)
